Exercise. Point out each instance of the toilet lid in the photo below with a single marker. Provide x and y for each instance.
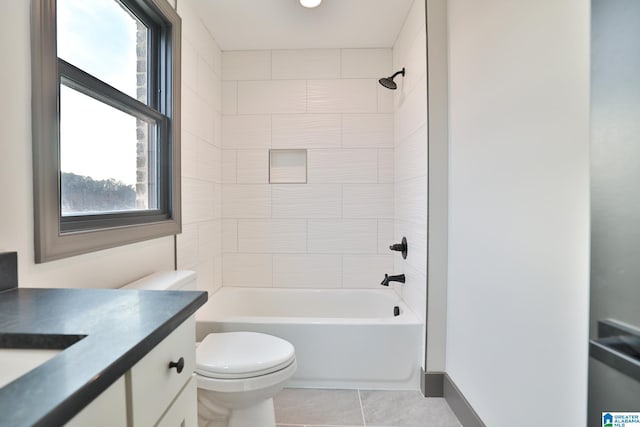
(242, 355)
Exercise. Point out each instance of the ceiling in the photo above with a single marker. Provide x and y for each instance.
(284, 24)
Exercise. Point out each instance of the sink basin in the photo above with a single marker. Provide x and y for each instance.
(16, 362)
(20, 353)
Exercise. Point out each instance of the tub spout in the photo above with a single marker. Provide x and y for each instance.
(387, 279)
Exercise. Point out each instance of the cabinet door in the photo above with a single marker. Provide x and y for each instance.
(184, 410)
(107, 410)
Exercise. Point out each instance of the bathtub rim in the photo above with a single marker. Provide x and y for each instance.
(406, 317)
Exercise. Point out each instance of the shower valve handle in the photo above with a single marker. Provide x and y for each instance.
(401, 247)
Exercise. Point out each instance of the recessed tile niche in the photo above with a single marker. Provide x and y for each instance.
(288, 166)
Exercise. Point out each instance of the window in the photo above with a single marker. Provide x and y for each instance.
(106, 124)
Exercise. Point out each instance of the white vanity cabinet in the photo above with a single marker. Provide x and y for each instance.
(158, 391)
(151, 393)
(183, 410)
(107, 410)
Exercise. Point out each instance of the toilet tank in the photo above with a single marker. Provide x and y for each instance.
(180, 280)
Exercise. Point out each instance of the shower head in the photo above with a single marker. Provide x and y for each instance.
(388, 81)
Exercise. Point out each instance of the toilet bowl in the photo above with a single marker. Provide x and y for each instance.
(238, 373)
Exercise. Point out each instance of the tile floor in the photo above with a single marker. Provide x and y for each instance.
(349, 408)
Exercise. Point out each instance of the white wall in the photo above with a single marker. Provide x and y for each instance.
(438, 191)
(199, 246)
(410, 145)
(517, 314)
(335, 230)
(108, 268)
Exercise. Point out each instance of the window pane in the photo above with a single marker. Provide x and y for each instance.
(104, 39)
(106, 158)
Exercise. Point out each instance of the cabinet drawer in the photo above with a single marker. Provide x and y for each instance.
(154, 385)
(184, 410)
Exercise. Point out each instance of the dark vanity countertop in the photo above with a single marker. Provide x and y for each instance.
(120, 326)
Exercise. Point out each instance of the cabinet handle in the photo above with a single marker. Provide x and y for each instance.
(179, 365)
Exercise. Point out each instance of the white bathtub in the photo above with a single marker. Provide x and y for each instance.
(343, 338)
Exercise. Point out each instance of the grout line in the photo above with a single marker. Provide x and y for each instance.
(364, 422)
(237, 235)
(341, 270)
(307, 236)
(270, 131)
(237, 96)
(306, 96)
(378, 252)
(342, 200)
(378, 165)
(342, 130)
(236, 166)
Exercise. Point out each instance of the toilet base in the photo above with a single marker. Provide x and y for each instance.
(210, 414)
(245, 402)
(260, 415)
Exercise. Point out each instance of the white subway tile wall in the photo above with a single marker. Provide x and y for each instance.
(342, 96)
(189, 155)
(272, 236)
(246, 131)
(252, 166)
(367, 201)
(385, 235)
(229, 235)
(307, 271)
(386, 166)
(246, 65)
(306, 64)
(229, 97)
(343, 166)
(197, 203)
(411, 166)
(349, 236)
(249, 270)
(306, 201)
(385, 100)
(412, 111)
(366, 63)
(367, 130)
(199, 245)
(306, 131)
(272, 96)
(246, 201)
(229, 166)
(362, 270)
(188, 245)
(334, 231)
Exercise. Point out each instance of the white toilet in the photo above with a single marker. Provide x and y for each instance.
(238, 373)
